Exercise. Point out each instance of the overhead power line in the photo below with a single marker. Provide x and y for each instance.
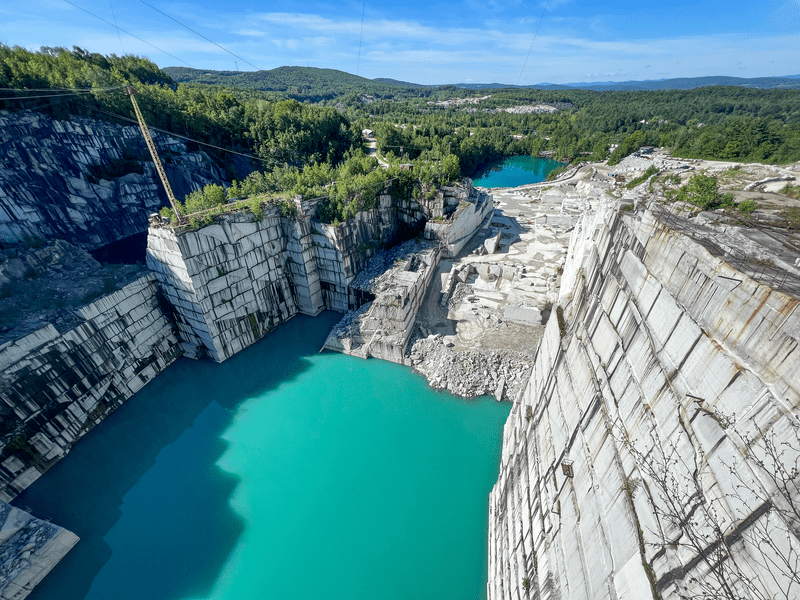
(525, 64)
(128, 33)
(361, 35)
(119, 37)
(201, 35)
(170, 133)
(44, 96)
(49, 91)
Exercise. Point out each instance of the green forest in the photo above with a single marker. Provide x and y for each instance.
(299, 83)
(303, 126)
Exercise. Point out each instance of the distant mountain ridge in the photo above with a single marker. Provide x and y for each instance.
(682, 83)
(309, 83)
(390, 81)
(314, 82)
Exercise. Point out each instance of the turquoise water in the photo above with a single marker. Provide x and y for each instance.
(279, 474)
(514, 171)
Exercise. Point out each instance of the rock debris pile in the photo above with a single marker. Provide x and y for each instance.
(470, 373)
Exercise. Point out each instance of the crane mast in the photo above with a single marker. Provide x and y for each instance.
(152, 147)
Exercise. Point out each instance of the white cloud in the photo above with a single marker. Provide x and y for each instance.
(249, 33)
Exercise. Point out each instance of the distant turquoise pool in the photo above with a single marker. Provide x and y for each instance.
(279, 474)
(514, 171)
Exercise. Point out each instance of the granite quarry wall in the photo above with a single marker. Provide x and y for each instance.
(469, 211)
(47, 189)
(56, 385)
(228, 283)
(653, 453)
(235, 280)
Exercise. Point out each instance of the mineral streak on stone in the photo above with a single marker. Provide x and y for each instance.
(47, 189)
(56, 385)
(230, 282)
(667, 362)
(29, 548)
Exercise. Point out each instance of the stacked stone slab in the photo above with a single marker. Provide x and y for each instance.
(58, 385)
(29, 549)
(46, 188)
(638, 462)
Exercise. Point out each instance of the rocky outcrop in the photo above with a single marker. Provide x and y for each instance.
(230, 282)
(234, 280)
(453, 233)
(396, 281)
(653, 452)
(61, 179)
(56, 385)
(29, 548)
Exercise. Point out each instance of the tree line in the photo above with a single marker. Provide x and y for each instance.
(297, 144)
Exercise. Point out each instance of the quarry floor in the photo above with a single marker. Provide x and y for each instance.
(471, 308)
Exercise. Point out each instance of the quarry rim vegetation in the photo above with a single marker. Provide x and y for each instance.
(264, 119)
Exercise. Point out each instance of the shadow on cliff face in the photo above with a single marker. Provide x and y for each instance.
(130, 477)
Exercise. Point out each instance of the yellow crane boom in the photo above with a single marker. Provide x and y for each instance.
(152, 147)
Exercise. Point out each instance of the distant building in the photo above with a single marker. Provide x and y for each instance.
(646, 149)
(367, 133)
(406, 166)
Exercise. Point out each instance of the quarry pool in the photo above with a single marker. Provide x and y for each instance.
(514, 171)
(281, 473)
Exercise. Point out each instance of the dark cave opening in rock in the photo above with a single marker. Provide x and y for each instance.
(129, 250)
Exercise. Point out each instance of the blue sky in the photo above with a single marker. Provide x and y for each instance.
(514, 41)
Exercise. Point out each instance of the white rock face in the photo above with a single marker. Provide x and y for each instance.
(233, 281)
(78, 376)
(472, 210)
(29, 549)
(657, 435)
(398, 281)
(230, 283)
